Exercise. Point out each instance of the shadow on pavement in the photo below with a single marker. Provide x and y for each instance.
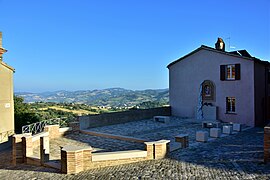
(242, 152)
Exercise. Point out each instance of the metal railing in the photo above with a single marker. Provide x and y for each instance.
(4, 135)
(38, 127)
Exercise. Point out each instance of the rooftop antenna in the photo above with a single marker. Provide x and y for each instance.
(229, 39)
(230, 47)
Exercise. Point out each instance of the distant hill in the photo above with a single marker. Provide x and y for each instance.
(114, 97)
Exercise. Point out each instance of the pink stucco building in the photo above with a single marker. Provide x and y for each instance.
(235, 85)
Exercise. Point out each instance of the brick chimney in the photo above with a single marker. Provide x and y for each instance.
(220, 45)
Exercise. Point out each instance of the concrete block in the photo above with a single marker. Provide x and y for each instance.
(227, 130)
(183, 139)
(237, 127)
(215, 132)
(202, 136)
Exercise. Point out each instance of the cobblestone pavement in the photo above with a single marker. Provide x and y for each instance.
(238, 156)
(144, 129)
(99, 144)
(153, 131)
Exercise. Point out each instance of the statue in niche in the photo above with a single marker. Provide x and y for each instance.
(208, 91)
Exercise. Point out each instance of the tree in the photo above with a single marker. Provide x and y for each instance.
(23, 114)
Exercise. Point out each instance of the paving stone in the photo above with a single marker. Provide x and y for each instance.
(237, 156)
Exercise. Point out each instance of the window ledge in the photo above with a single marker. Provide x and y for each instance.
(231, 113)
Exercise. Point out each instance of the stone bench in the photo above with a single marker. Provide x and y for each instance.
(183, 139)
(215, 132)
(202, 136)
(164, 119)
(234, 127)
(227, 129)
(211, 124)
(237, 127)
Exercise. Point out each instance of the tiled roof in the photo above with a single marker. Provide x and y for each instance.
(240, 53)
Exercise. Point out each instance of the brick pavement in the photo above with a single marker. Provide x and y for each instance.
(237, 156)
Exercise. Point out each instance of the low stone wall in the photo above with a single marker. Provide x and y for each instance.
(267, 143)
(23, 144)
(121, 117)
(76, 159)
(75, 126)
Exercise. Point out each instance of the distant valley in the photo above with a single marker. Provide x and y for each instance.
(112, 97)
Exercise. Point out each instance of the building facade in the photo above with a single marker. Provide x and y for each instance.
(6, 98)
(234, 86)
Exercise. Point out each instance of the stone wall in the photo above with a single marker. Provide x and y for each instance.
(23, 144)
(75, 126)
(76, 159)
(121, 117)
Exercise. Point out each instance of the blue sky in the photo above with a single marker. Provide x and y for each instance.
(86, 44)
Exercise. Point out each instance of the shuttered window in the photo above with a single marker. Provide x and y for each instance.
(237, 72)
(222, 72)
(230, 72)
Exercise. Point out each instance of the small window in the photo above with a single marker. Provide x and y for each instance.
(230, 72)
(230, 105)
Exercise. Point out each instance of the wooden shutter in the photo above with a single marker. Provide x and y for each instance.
(222, 72)
(227, 104)
(237, 72)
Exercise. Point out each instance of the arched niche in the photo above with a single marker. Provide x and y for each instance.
(208, 91)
